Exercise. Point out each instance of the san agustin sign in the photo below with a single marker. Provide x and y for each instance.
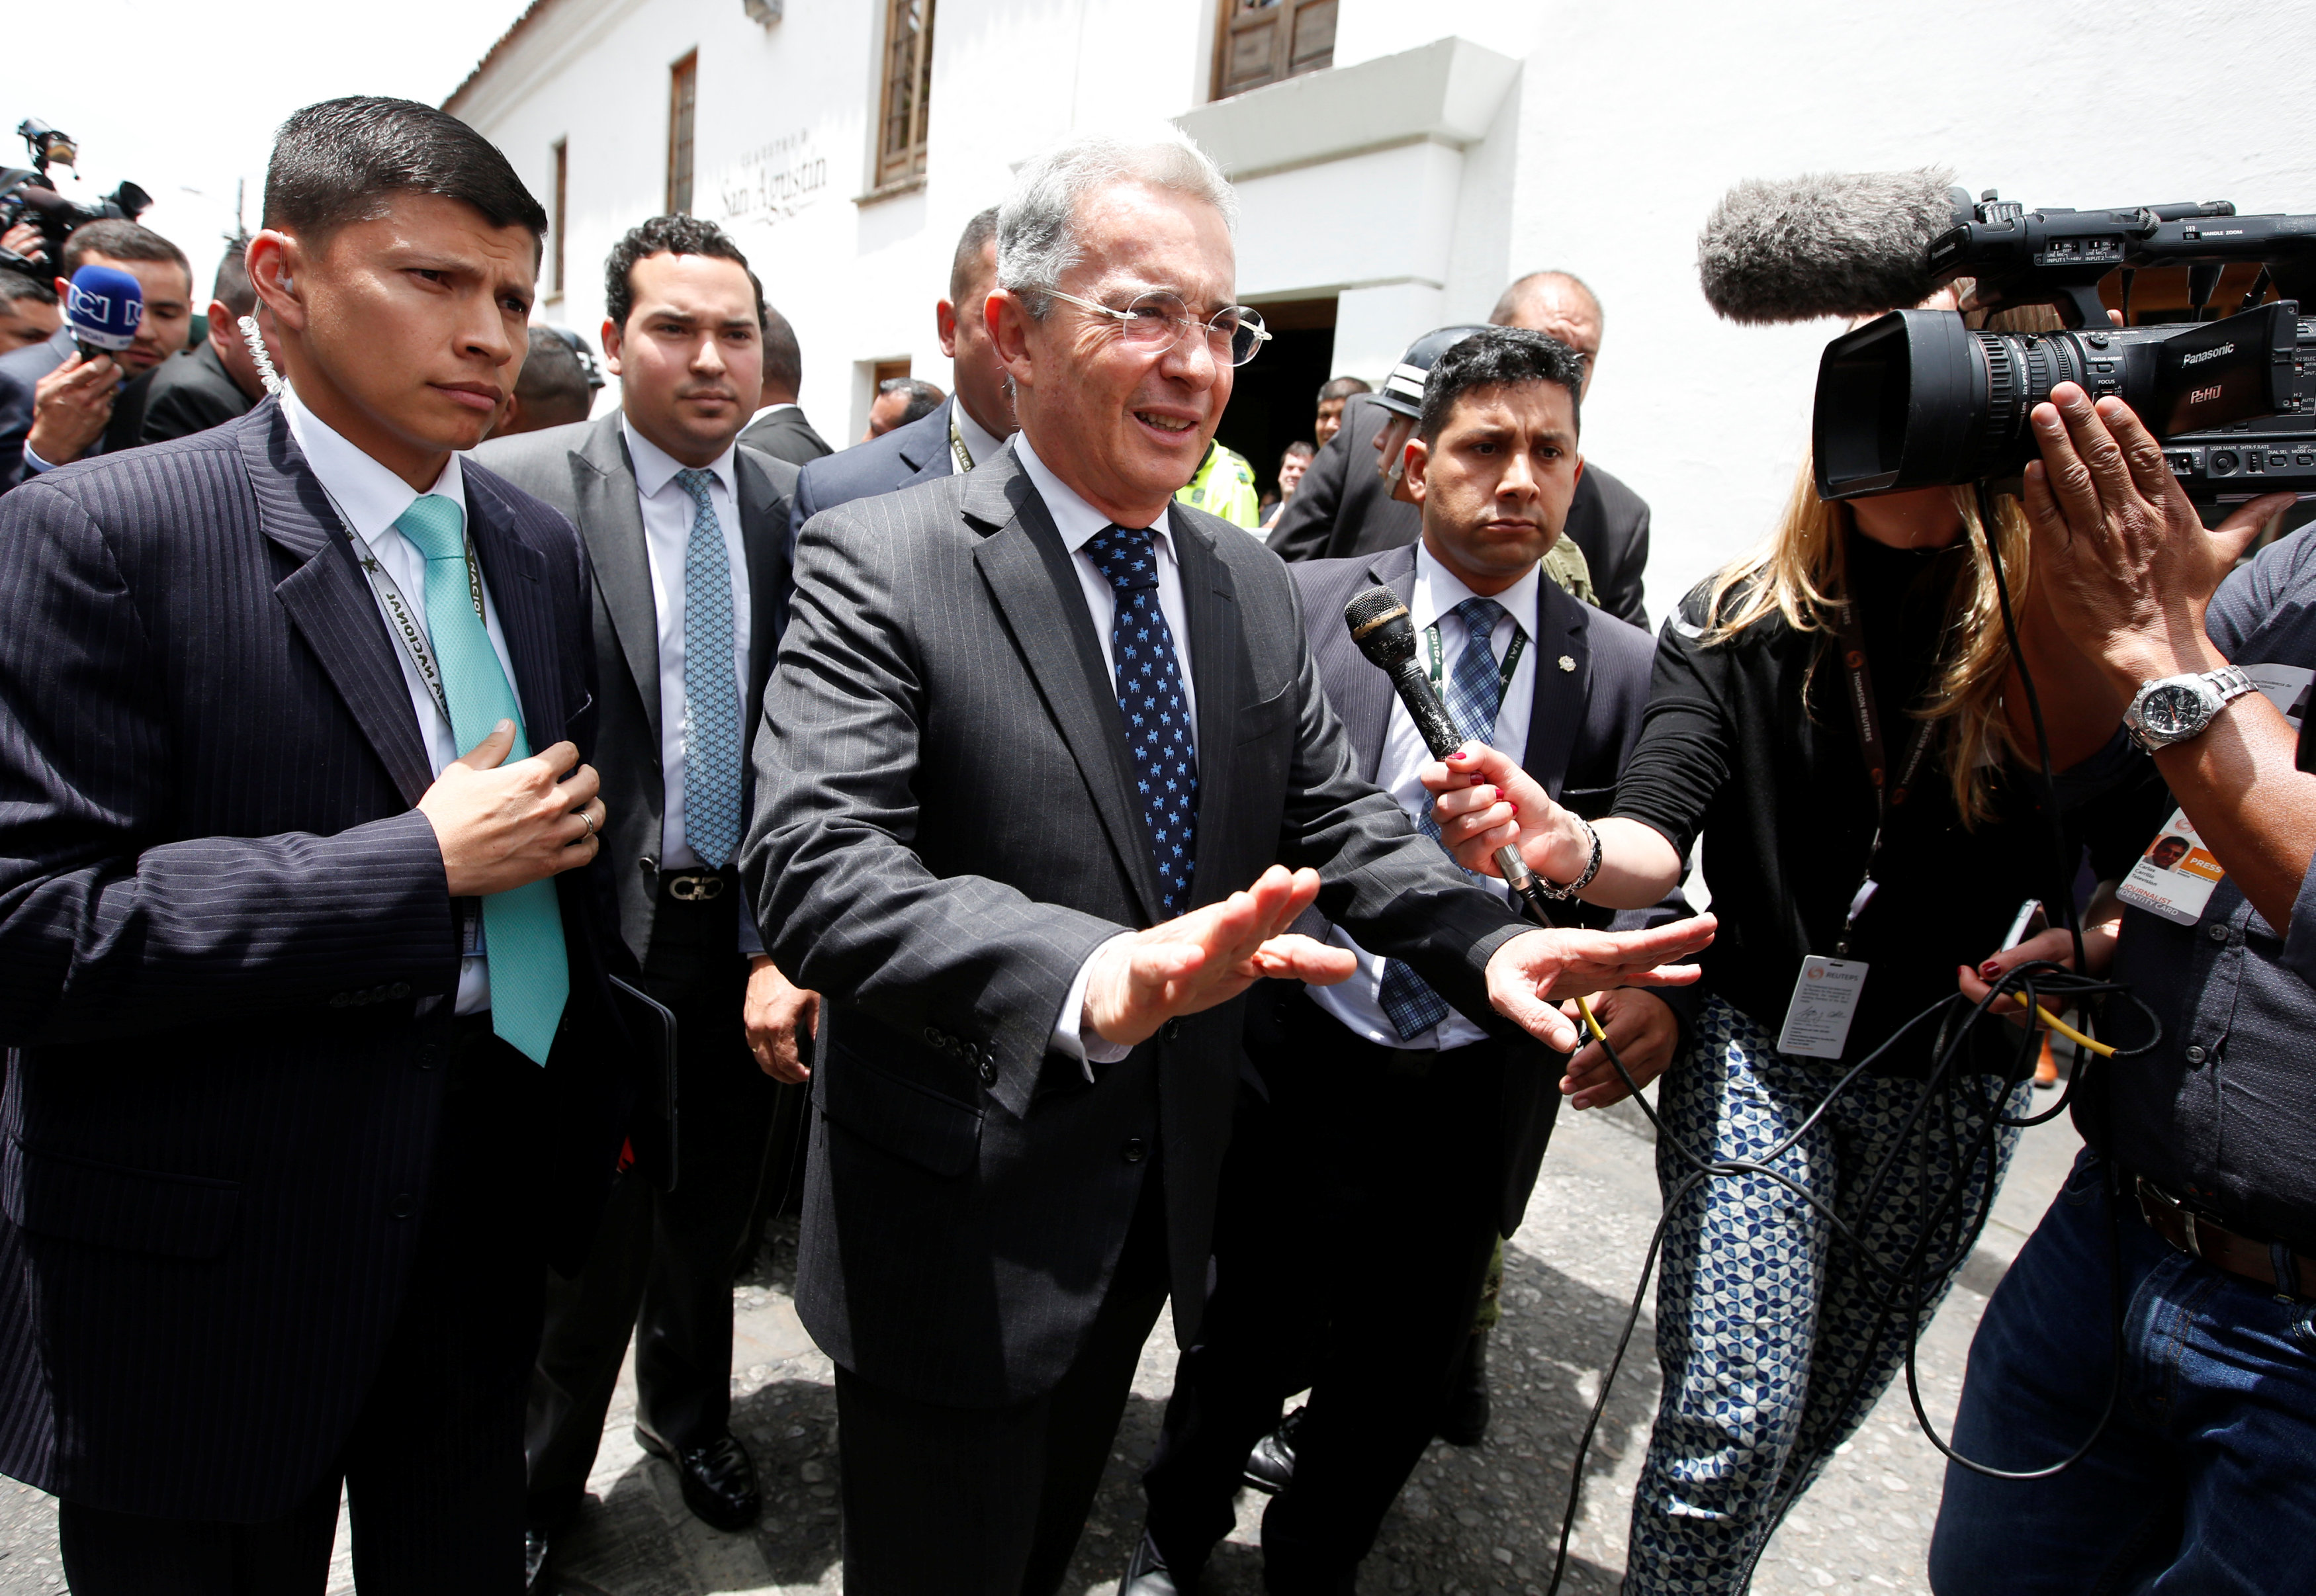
(773, 182)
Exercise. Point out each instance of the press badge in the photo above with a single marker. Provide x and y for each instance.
(2175, 877)
(1825, 1001)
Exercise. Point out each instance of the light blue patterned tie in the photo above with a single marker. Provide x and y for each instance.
(1475, 693)
(1157, 709)
(530, 977)
(711, 692)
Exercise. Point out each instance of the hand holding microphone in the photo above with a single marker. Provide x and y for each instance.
(72, 405)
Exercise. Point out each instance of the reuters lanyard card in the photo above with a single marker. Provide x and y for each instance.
(1825, 1001)
(2175, 876)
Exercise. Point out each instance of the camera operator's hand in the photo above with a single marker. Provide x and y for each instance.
(24, 240)
(70, 407)
(1537, 969)
(2125, 563)
(1641, 1027)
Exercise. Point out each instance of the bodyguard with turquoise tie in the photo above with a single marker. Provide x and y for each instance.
(316, 1064)
(687, 533)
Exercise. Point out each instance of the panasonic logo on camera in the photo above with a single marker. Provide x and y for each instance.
(2208, 354)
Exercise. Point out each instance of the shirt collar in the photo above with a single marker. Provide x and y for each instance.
(980, 442)
(1437, 591)
(1078, 522)
(774, 410)
(369, 496)
(656, 467)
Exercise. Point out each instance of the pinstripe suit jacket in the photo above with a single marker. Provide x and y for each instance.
(227, 962)
(944, 832)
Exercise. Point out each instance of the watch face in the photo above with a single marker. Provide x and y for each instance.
(2171, 709)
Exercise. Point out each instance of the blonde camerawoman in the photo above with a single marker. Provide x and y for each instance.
(1773, 1342)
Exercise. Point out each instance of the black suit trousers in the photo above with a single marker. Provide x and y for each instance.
(433, 1471)
(991, 1502)
(662, 1261)
(1358, 1216)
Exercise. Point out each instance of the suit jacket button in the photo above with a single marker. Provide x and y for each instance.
(934, 1038)
(430, 1055)
(647, 864)
(403, 1206)
(988, 1072)
(399, 991)
(1173, 1029)
(1135, 1150)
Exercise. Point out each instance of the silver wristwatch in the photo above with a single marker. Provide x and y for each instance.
(2173, 708)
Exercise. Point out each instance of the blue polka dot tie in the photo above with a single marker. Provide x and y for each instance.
(711, 689)
(1475, 693)
(1157, 709)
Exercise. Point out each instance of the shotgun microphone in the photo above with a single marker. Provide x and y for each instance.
(1385, 633)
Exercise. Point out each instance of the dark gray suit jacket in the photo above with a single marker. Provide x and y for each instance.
(945, 831)
(583, 469)
(21, 370)
(1582, 725)
(785, 435)
(1344, 508)
(192, 392)
(917, 452)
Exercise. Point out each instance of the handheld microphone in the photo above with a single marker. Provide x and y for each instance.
(1826, 244)
(1385, 634)
(104, 307)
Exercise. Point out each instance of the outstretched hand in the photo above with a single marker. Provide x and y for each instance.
(1208, 957)
(1531, 974)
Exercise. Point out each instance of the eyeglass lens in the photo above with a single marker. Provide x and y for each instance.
(1233, 334)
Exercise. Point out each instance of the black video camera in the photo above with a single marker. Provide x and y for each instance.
(27, 194)
(1917, 400)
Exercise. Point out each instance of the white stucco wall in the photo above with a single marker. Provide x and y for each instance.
(1621, 128)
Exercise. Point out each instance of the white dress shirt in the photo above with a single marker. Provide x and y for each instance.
(1080, 523)
(373, 498)
(980, 442)
(1358, 1002)
(668, 513)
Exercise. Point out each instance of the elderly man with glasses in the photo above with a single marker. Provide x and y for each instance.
(1044, 776)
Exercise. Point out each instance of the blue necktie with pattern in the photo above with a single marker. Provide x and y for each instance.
(711, 693)
(1475, 694)
(522, 930)
(1157, 709)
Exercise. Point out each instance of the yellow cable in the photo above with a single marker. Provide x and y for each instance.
(1585, 1009)
(2104, 1049)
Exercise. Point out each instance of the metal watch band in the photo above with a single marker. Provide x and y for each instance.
(1554, 890)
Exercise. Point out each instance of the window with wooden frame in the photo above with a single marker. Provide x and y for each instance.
(1261, 41)
(562, 193)
(682, 100)
(908, 78)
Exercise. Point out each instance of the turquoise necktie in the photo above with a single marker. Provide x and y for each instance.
(522, 928)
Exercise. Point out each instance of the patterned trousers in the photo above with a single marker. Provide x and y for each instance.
(1773, 1342)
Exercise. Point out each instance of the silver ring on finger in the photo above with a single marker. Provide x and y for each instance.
(588, 821)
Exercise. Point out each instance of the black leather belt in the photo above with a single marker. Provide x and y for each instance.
(694, 887)
(2269, 1265)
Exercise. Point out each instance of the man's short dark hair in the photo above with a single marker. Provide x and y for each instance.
(551, 372)
(15, 286)
(1299, 449)
(783, 360)
(979, 237)
(1342, 387)
(1498, 357)
(118, 240)
(341, 161)
(924, 399)
(667, 235)
(233, 288)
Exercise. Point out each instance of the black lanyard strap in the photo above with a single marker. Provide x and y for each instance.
(1889, 796)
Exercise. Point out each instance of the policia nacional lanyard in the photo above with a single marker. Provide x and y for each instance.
(1503, 671)
(1858, 678)
(959, 455)
(408, 625)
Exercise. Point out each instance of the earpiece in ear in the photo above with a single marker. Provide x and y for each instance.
(266, 374)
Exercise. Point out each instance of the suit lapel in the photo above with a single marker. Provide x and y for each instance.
(1558, 713)
(514, 573)
(1367, 697)
(1035, 584)
(764, 542)
(1221, 677)
(612, 522)
(329, 601)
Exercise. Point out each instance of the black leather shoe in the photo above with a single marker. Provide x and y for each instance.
(534, 1562)
(1146, 1574)
(719, 1482)
(1465, 1421)
(1270, 1466)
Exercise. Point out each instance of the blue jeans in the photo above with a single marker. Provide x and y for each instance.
(2204, 1480)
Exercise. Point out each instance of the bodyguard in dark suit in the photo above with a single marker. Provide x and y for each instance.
(687, 535)
(1386, 1126)
(207, 387)
(93, 407)
(780, 428)
(968, 428)
(1038, 745)
(314, 1062)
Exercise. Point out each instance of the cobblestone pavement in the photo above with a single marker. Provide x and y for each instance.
(1483, 1520)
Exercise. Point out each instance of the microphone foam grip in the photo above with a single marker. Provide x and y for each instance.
(104, 307)
(1824, 244)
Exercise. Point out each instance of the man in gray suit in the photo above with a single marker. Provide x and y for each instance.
(1045, 773)
(970, 428)
(686, 533)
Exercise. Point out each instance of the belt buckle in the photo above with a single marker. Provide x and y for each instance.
(2152, 1197)
(695, 889)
